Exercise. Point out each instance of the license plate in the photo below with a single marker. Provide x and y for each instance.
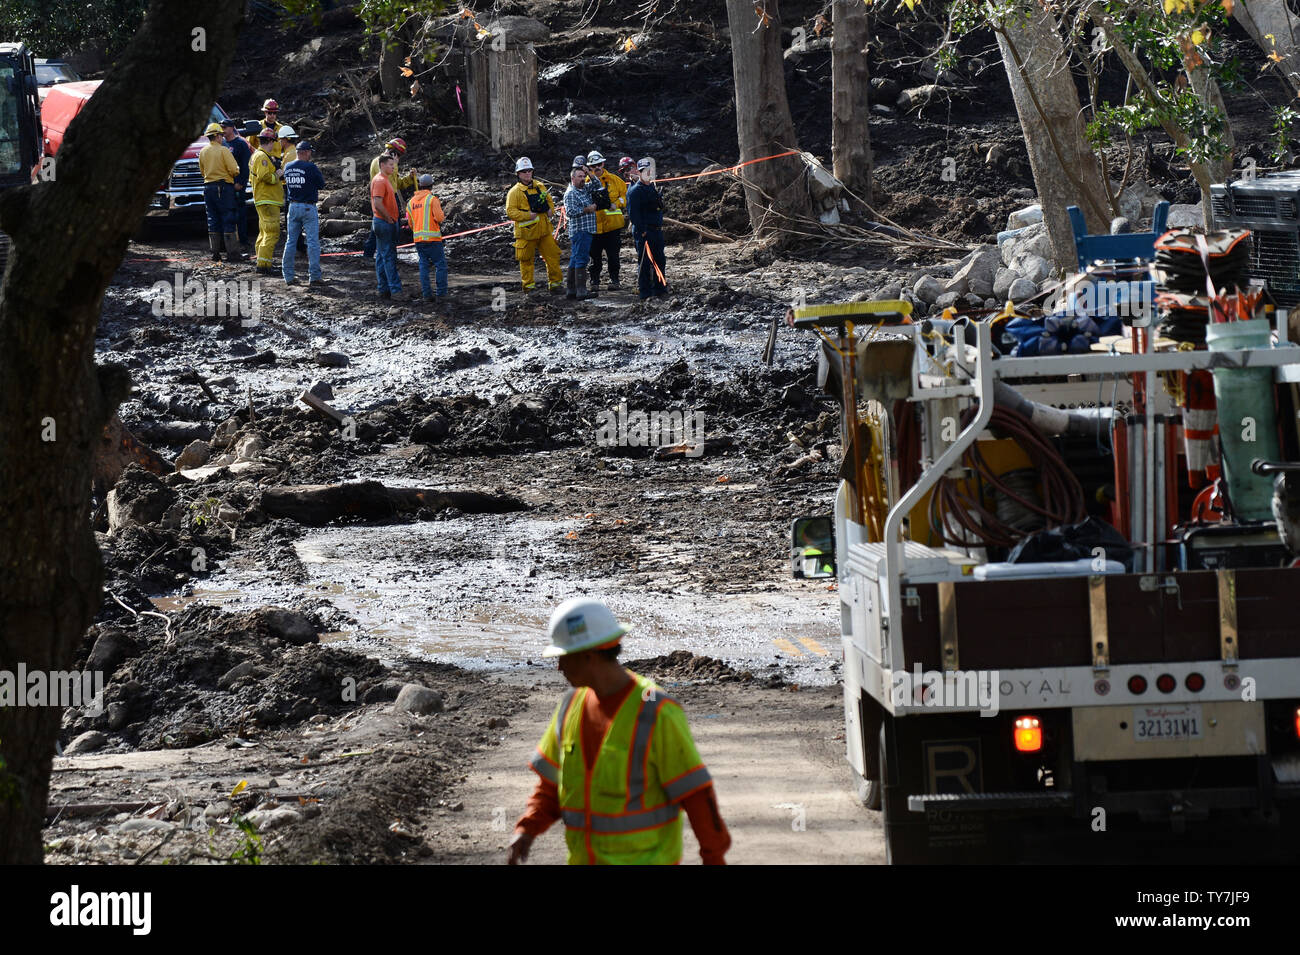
(1152, 723)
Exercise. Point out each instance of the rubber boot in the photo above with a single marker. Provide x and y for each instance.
(233, 252)
(214, 243)
(571, 286)
(582, 284)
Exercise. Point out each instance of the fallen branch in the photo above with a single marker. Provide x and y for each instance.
(699, 230)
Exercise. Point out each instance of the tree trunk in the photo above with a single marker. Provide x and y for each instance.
(1262, 17)
(69, 236)
(774, 191)
(391, 59)
(1216, 170)
(850, 98)
(1065, 168)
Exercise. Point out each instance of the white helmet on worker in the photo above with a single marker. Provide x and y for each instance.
(523, 163)
(581, 624)
(594, 158)
(286, 132)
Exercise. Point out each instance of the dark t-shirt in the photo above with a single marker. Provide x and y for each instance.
(303, 181)
(242, 155)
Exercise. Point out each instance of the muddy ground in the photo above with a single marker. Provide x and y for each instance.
(255, 661)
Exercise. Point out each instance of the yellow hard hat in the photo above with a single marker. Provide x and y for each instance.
(214, 129)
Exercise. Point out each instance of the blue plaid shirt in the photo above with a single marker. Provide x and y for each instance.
(575, 200)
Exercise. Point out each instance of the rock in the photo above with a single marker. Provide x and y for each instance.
(1002, 282)
(976, 275)
(1035, 268)
(117, 716)
(888, 293)
(927, 289)
(995, 156)
(322, 390)
(972, 300)
(1137, 201)
(288, 625)
(947, 299)
(431, 430)
(145, 825)
(880, 109)
(139, 497)
(250, 447)
(331, 359)
(228, 514)
(1024, 217)
(916, 96)
(225, 433)
(1032, 240)
(333, 228)
(112, 646)
(237, 672)
(418, 699)
(1120, 226)
(518, 30)
(214, 811)
(195, 455)
(267, 819)
(1183, 216)
(1022, 289)
(384, 692)
(86, 743)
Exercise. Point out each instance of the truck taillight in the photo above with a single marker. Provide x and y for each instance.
(1165, 683)
(1137, 685)
(1297, 723)
(1194, 682)
(1029, 733)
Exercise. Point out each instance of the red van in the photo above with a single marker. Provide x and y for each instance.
(183, 191)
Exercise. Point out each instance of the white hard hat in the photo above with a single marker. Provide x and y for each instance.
(594, 158)
(581, 624)
(286, 132)
(523, 163)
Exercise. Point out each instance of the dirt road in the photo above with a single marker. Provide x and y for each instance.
(776, 756)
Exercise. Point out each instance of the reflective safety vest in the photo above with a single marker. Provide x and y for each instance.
(422, 212)
(626, 809)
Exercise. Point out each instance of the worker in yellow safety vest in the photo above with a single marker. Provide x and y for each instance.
(268, 196)
(610, 194)
(529, 205)
(617, 763)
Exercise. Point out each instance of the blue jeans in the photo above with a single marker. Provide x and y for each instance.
(219, 201)
(580, 249)
(386, 279)
(302, 218)
(432, 254)
(648, 244)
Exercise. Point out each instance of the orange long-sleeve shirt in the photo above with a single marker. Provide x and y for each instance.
(701, 806)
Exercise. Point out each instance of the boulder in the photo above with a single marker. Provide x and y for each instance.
(1034, 267)
(1182, 216)
(138, 498)
(322, 390)
(225, 433)
(1022, 289)
(977, 274)
(234, 674)
(333, 228)
(927, 289)
(418, 699)
(266, 819)
(195, 455)
(1138, 200)
(1002, 282)
(288, 625)
(916, 97)
(250, 446)
(947, 299)
(884, 88)
(431, 429)
(1027, 216)
(1032, 240)
(1120, 226)
(86, 743)
(331, 359)
(112, 646)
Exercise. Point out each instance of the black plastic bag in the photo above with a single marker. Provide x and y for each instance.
(1072, 542)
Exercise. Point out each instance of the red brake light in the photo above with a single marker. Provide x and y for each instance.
(1297, 723)
(1137, 685)
(1166, 683)
(1195, 682)
(1029, 734)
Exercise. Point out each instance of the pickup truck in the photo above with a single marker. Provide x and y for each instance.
(1138, 701)
(180, 195)
(20, 145)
